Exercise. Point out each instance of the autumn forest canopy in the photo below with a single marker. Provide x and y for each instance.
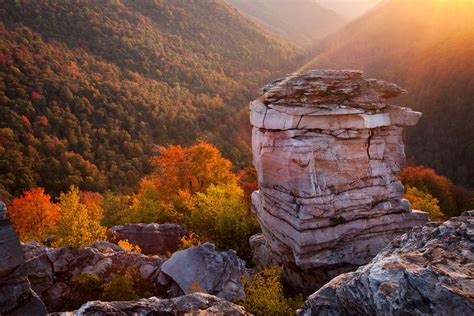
(88, 89)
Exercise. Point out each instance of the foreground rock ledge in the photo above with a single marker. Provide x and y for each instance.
(191, 304)
(16, 295)
(429, 271)
(328, 150)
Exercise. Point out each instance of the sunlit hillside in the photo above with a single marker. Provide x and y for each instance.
(427, 47)
(350, 8)
(303, 22)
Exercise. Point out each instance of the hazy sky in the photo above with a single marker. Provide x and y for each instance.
(350, 8)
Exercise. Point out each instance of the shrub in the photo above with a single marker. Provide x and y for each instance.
(126, 245)
(264, 294)
(86, 283)
(192, 240)
(426, 180)
(424, 202)
(119, 288)
(85, 287)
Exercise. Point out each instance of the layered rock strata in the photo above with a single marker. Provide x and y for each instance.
(328, 150)
(16, 295)
(428, 271)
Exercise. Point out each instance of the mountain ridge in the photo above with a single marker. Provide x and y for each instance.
(303, 22)
(428, 50)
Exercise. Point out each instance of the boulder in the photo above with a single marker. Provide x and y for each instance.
(204, 269)
(191, 304)
(16, 294)
(328, 149)
(51, 270)
(151, 238)
(428, 271)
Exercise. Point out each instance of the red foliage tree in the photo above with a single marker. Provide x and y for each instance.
(33, 214)
(452, 200)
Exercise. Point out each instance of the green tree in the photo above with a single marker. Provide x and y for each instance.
(222, 215)
(148, 207)
(116, 209)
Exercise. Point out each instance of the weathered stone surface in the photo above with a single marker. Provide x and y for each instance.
(205, 269)
(16, 295)
(151, 238)
(428, 271)
(191, 304)
(328, 150)
(52, 269)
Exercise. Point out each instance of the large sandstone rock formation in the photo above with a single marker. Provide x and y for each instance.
(151, 238)
(16, 295)
(191, 304)
(328, 150)
(429, 271)
(53, 269)
(204, 269)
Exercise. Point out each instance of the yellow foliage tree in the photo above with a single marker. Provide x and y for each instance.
(424, 202)
(222, 215)
(148, 207)
(126, 245)
(264, 294)
(76, 228)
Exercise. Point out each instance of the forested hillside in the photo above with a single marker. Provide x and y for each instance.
(303, 22)
(427, 47)
(87, 89)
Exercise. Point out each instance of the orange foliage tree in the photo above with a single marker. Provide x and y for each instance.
(192, 169)
(33, 215)
(93, 202)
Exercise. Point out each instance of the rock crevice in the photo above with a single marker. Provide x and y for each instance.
(328, 149)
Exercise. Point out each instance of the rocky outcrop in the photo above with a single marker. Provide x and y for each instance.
(204, 269)
(328, 150)
(151, 238)
(191, 304)
(197, 269)
(53, 269)
(16, 295)
(429, 271)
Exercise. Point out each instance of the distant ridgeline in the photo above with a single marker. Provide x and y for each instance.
(87, 89)
(427, 47)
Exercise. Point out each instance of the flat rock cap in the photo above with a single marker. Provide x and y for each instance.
(326, 87)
